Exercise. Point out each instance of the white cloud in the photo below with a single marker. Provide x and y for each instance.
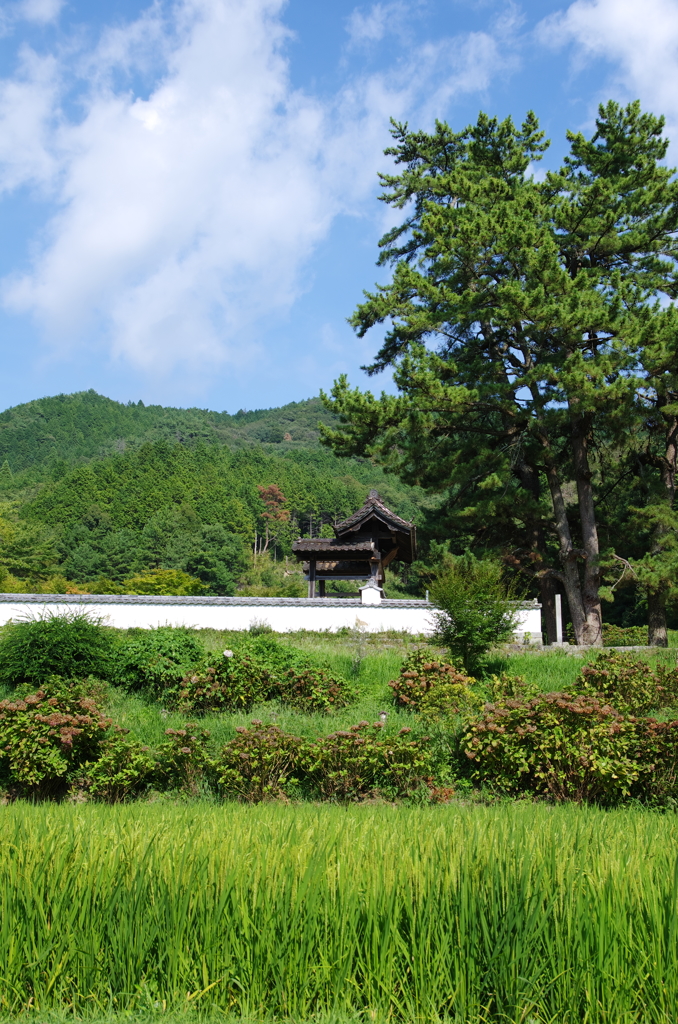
(372, 25)
(185, 218)
(28, 115)
(640, 38)
(40, 11)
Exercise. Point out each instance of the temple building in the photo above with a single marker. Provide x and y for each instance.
(363, 545)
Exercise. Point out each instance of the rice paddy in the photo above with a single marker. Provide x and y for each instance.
(512, 913)
(472, 913)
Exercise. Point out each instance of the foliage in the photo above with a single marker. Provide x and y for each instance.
(70, 645)
(356, 763)
(183, 759)
(622, 636)
(124, 768)
(163, 581)
(265, 577)
(258, 763)
(629, 683)
(101, 494)
(310, 688)
(260, 668)
(47, 736)
(155, 659)
(173, 506)
(432, 687)
(657, 754)
(567, 747)
(475, 609)
(233, 684)
(505, 685)
(543, 297)
(58, 431)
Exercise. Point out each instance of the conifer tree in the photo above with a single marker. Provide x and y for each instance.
(516, 315)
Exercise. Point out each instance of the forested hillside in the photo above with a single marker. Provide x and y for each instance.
(109, 497)
(50, 431)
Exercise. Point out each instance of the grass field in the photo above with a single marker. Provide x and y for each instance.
(511, 913)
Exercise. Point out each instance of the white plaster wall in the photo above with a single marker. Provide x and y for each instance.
(282, 617)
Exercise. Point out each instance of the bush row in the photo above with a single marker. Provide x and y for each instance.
(57, 741)
(595, 742)
(170, 664)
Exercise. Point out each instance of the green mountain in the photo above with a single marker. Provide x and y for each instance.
(96, 490)
(86, 425)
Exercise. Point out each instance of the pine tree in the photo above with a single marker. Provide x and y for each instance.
(537, 298)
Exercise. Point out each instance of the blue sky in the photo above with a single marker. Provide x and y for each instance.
(188, 191)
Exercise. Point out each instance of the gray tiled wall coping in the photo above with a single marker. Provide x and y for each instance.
(255, 602)
(240, 602)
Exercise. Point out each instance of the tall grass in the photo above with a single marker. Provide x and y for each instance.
(504, 913)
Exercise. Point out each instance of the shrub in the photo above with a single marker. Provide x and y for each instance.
(183, 759)
(475, 609)
(657, 754)
(258, 763)
(48, 736)
(260, 669)
(504, 685)
(313, 689)
(555, 744)
(629, 683)
(623, 636)
(353, 764)
(156, 659)
(71, 645)
(231, 684)
(123, 768)
(432, 687)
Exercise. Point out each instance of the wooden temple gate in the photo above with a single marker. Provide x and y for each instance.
(363, 545)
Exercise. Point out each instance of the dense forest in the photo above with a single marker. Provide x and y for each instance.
(104, 497)
(101, 497)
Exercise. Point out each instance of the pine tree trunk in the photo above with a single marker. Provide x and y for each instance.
(529, 476)
(592, 633)
(568, 556)
(656, 619)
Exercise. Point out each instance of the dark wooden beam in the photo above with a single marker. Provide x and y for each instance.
(311, 578)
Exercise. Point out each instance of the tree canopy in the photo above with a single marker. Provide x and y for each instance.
(527, 331)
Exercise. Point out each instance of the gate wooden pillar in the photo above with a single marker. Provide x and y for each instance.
(311, 578)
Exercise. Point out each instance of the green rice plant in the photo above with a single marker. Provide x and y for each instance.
(466, 914)
(71, 645)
